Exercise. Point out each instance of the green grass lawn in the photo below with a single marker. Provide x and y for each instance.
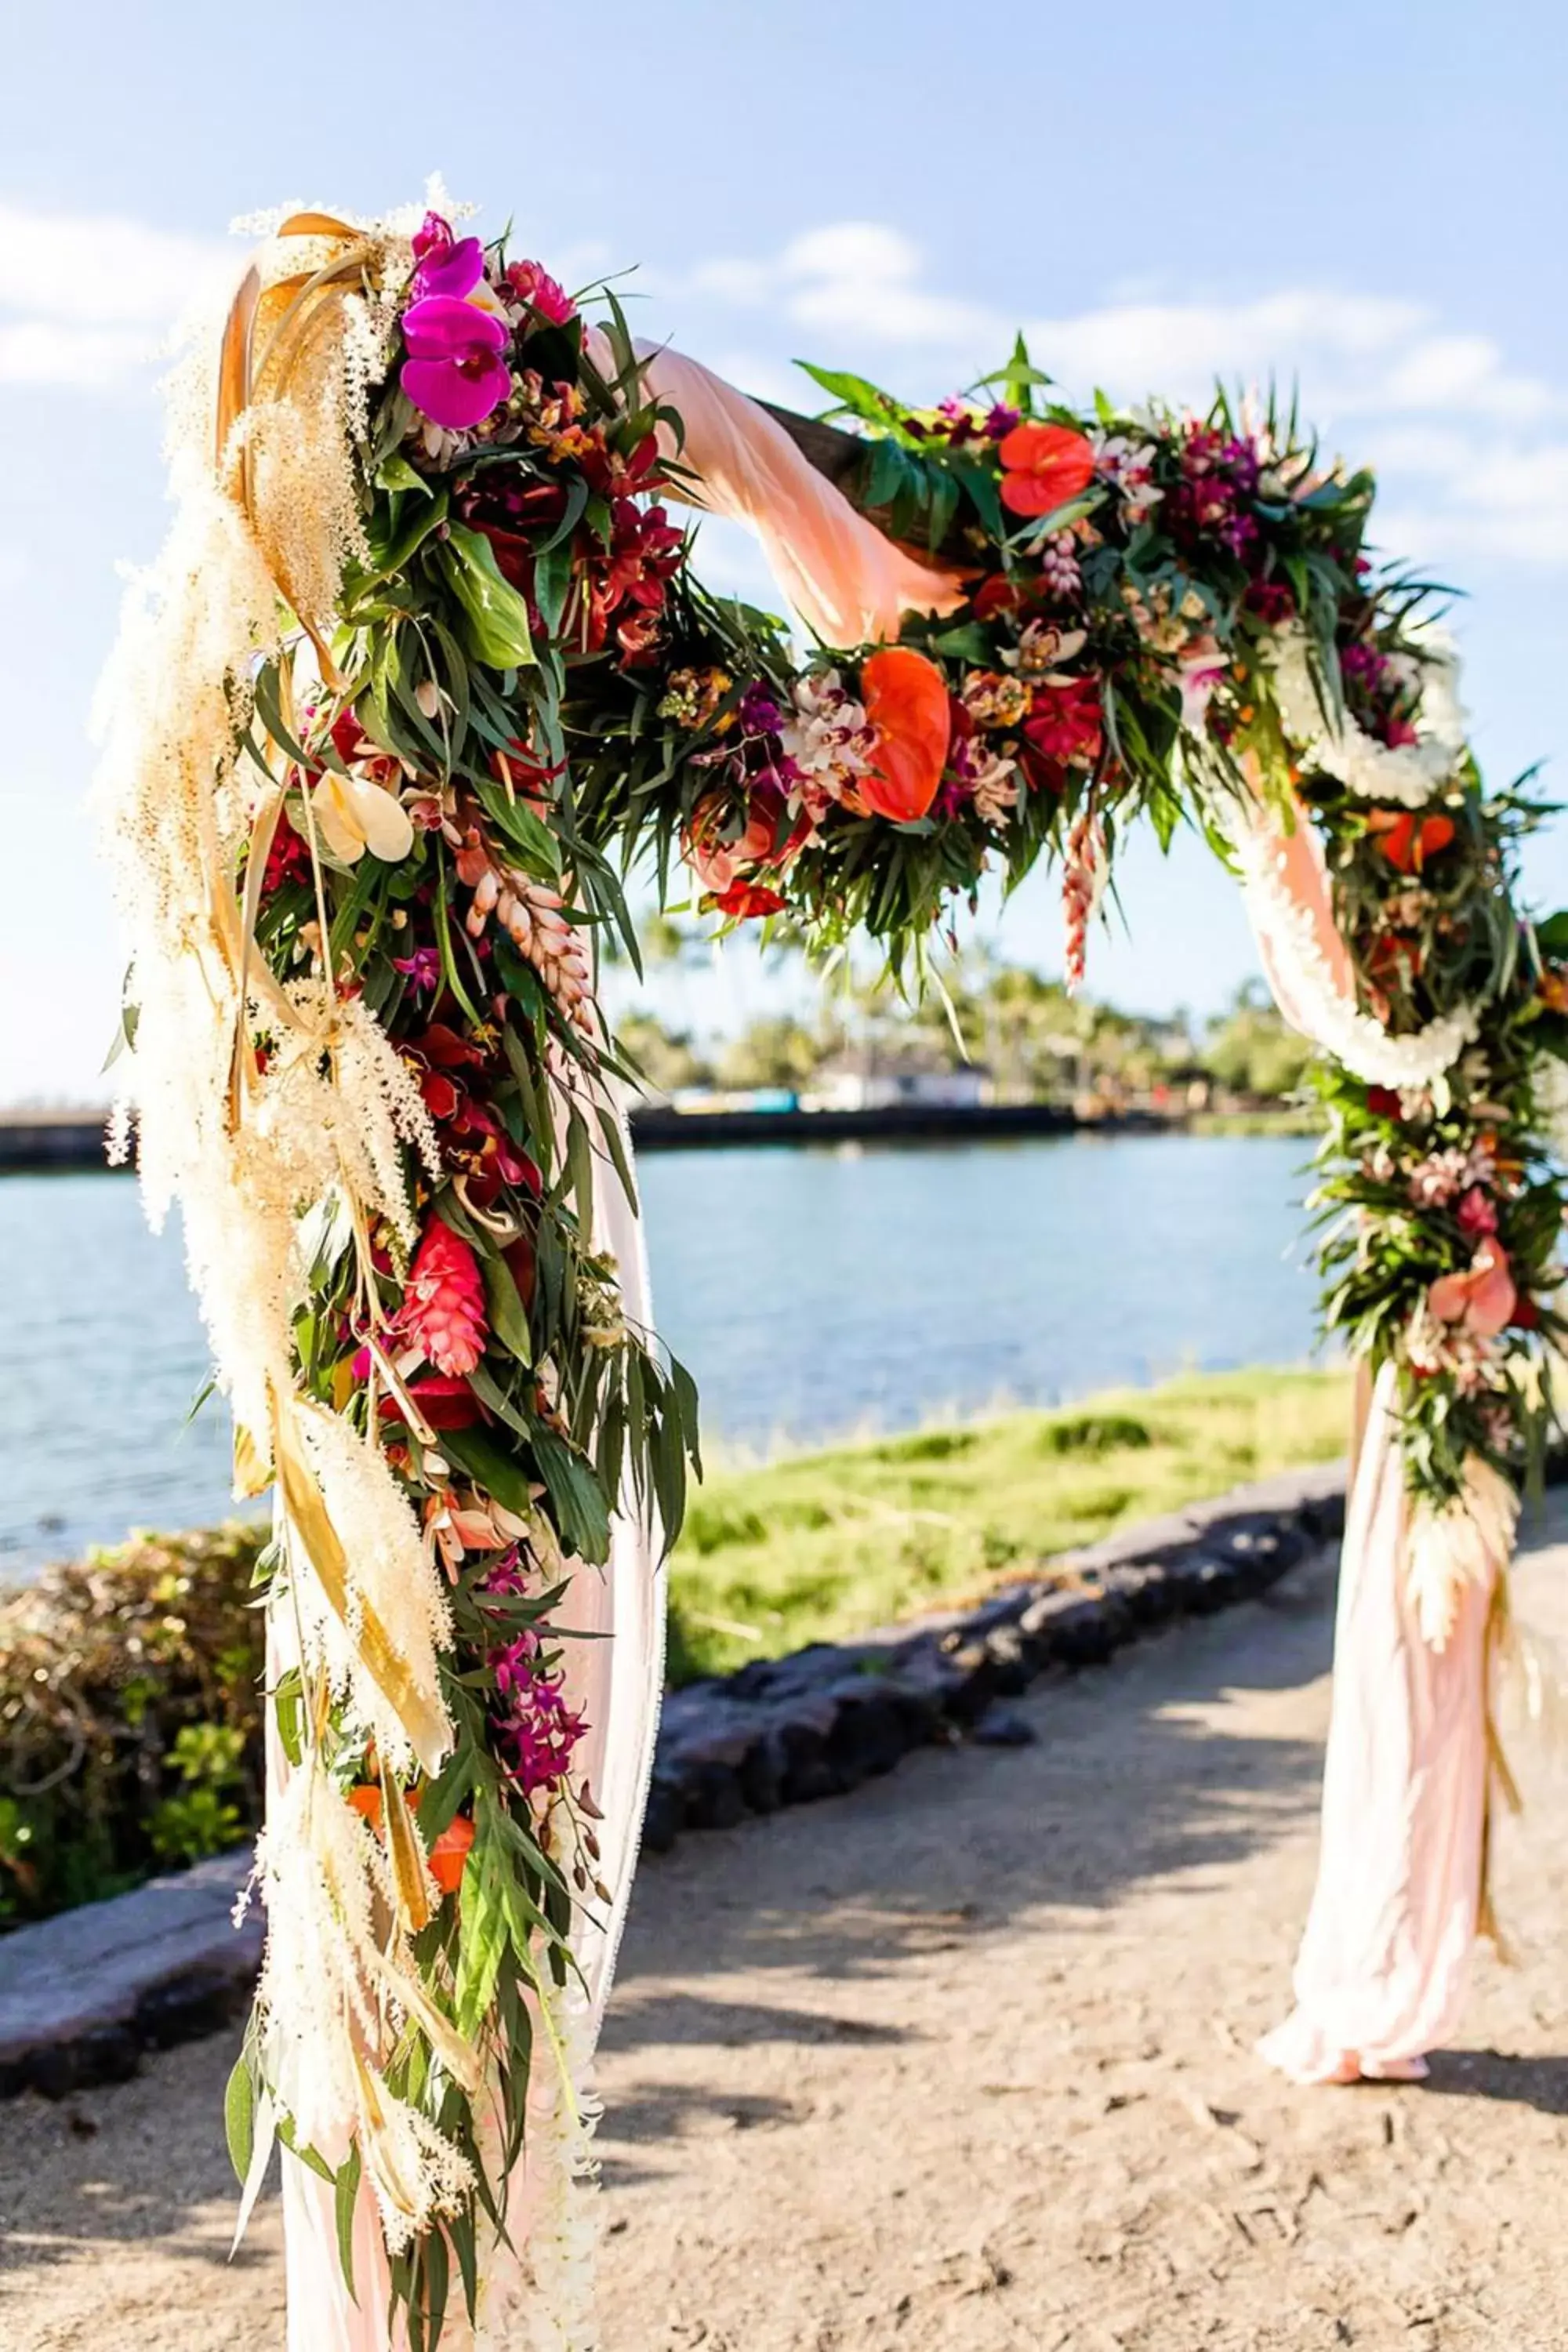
(818, 1546)
(130, 1715)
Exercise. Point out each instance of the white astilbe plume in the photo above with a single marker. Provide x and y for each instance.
(329, 1994)
(320, 1871)
(249, 1143)
(345, 1124)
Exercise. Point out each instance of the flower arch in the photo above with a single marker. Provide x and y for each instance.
(425, 670)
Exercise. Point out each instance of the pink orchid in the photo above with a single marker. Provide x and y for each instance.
(454, 371)
(1482, 1299)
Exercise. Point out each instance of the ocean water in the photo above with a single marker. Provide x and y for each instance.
(810, 1291)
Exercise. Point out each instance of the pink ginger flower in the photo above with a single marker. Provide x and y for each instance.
(443, 1309)
(534, 285)
(1083, 886)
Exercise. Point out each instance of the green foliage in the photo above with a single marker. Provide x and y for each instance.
(129, 1717)
(202, 1815)
(1251, 1052)
(1096, 1432)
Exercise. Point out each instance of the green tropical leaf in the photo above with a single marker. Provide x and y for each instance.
(495, 617)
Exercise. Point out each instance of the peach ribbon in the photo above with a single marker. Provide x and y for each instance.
(850, 584)
(1301, 875)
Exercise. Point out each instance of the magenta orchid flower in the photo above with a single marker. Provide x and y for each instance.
(446, 264)
(454, 371)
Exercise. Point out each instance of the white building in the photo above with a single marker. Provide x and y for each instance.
(866, 1079)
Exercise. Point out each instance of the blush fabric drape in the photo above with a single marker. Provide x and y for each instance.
(850, 584)
(1385, 1961)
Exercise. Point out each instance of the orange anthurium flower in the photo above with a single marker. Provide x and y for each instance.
(450, 1852)
(1407, 843)
(367, 1802)
(906, 701)
(1045, 465)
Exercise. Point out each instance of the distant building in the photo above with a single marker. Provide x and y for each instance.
(698, 1100)
(871, 1079)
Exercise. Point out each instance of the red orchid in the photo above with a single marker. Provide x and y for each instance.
(442, 1100)
(996, 595)
(1065, 728)
(722, 842)
(287, 858)
(1045, 467)
(443, 1046)
(1406, 840)
(744, 899)
(445, 1399)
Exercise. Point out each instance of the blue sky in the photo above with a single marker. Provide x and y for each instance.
(1369, 198)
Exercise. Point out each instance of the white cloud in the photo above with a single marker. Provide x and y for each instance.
(865, 279)
(1474, 450)
(87, 299)
(68, 358)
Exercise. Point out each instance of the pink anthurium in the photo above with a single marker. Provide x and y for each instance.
(1482, 1298)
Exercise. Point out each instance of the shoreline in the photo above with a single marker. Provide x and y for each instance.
(46, 1143)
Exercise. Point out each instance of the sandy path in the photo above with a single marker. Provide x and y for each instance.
(961, 2062)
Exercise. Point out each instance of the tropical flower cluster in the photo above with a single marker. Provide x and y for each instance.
(1171, 615)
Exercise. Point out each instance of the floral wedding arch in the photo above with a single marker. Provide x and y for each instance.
(423, 673)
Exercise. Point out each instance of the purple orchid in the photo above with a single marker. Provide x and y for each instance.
(759, 712)
(454, 371)
(421, 969)
(445, 264)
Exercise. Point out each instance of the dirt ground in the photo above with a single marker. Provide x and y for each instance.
(964, 2062)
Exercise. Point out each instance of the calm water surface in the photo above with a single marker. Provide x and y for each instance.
(809, 1291)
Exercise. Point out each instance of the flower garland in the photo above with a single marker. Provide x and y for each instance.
(1170, 616)
(423, 669)
(424, 600)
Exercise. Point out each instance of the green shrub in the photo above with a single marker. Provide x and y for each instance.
(129, 1717)
(1094, 1433)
